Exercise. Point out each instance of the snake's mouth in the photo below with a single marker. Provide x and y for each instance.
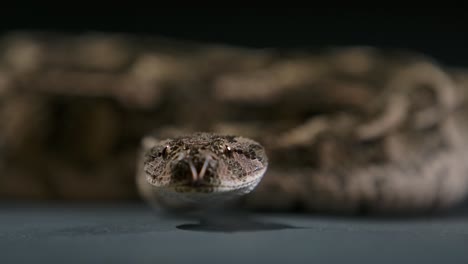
(190, 188)
(202, 187)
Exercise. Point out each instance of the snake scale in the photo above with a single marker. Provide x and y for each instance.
(336, 130)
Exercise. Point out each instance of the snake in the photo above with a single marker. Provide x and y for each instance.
(392, 164)
(199, 170)
(348, 130)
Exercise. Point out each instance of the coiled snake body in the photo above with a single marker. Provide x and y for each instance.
(406, 160)
(341, 130)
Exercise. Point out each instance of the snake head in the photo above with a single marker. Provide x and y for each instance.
(205, 164)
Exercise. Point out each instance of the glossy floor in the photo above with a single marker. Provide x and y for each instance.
(131, 233)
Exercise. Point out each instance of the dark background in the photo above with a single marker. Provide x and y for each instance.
(439, 31)
(95, 235)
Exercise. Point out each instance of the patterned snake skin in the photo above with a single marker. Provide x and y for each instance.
(345, 130)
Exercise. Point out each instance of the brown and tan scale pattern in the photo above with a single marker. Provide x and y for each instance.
(344, 129)
(199, 169)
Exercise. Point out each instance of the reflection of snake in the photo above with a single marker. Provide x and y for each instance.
(418, 160)
(344, 130)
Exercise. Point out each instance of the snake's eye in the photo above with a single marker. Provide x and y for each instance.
(228, 151)
(165, 151)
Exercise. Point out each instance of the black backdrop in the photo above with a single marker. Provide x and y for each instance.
(441, 32)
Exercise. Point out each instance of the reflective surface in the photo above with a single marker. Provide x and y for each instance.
(132, 233)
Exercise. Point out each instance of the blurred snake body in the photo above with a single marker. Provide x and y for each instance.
(410, 158)
(351, 130)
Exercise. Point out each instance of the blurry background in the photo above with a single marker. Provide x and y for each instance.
(440, 33)
(94, 234)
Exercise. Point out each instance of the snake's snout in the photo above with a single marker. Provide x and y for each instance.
(193, 170)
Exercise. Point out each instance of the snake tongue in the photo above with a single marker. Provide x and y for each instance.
(197, 177)
(193, 170)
